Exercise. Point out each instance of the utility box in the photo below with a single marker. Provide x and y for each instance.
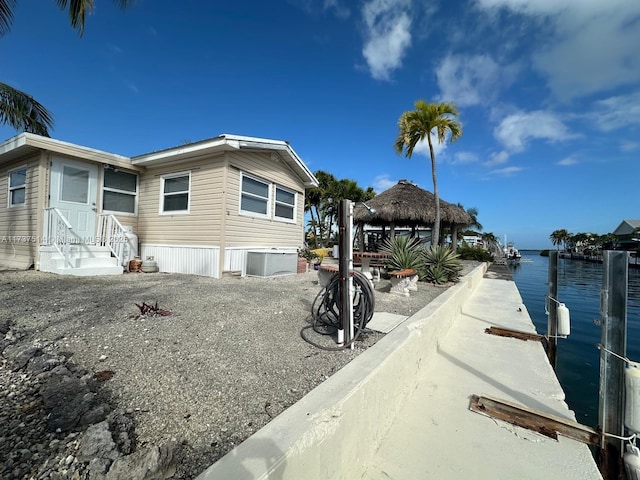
(271, 263)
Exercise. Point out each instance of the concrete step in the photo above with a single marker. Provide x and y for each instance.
(84, 260)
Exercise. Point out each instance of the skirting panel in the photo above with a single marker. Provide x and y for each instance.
(195, 260)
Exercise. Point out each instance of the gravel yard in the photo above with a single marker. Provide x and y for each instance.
(227, 360)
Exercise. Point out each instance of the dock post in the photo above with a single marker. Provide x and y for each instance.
(552, 305)
(613, 309)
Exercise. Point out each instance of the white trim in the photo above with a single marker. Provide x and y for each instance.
(275, 204)
(23, 186)
(162, 193)
(225, 143)
(249, 213)
(135, 194)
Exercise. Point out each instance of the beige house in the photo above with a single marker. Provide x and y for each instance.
(227, 204)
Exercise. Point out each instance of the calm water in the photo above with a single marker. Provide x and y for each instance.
(579, 285)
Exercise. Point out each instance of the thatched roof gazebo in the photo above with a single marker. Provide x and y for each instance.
(407, 205)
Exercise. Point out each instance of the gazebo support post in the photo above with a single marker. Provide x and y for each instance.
(454, 237)
(361, 236)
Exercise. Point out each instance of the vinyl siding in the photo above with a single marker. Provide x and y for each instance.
(202, 225)
(21, 226)
(243, 230)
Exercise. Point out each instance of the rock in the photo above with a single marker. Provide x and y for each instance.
(67, 398)
(98, 467)
(151, 463)
(5, 326)
(95, 415)
(23, 355)
(123, 428)
(97, 443)
(43, 363)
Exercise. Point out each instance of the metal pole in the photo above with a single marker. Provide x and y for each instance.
(344, 292)
(613, 309)
(552, 308)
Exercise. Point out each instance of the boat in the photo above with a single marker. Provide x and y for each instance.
(511, 253)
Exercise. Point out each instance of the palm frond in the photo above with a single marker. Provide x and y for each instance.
(6, 15)
(23, 112)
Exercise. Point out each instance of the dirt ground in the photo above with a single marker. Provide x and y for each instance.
(228, 359)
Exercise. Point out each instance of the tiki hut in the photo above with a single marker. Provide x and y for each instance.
(407, 205)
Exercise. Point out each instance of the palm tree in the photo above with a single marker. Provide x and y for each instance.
(17, 108)
(417, 124)
(558, 237)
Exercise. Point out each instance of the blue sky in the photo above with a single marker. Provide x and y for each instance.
(548, 91)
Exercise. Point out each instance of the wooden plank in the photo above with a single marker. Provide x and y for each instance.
(505, 332)
(544, 423)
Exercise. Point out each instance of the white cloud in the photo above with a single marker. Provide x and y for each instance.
(629, 146)
(617, 112)
(315, 7)
(507, 171)
(463, 158)
(337, 8)
(469, 80)
(515, 130)
(568, 161)
(592, 47)
(387, 35)
(422, 148)
(383, 182)
(132, 86)
(497, 158)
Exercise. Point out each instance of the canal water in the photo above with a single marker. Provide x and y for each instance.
(579, 285)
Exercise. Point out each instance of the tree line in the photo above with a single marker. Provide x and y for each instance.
(582, 241)
(323, 202)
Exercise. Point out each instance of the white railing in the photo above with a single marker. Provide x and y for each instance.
(112, 234)
(58, 233)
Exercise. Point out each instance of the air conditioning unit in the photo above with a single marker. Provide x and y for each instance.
(271, 263)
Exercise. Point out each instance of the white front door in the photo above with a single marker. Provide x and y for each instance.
(73, 191)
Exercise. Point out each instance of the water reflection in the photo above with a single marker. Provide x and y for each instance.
(579, 285)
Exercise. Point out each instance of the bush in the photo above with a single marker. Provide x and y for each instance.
(405, 253)
(474, 253)
(441, 265)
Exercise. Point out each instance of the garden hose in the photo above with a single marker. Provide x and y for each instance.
(325, 311)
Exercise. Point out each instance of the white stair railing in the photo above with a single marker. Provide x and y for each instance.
(112, 234)
(58, 233)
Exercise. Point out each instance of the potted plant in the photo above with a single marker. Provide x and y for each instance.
(308, 256)
(317, 261)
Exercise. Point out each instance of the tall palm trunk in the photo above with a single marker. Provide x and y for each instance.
(435, 233)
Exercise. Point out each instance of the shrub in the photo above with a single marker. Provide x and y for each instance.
(474, 253)
(441, 265)
(405, 252)
(308, 254)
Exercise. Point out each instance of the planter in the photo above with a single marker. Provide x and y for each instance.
(302, 265)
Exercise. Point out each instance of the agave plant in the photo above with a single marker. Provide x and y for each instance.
(405, 253)
(441, 265)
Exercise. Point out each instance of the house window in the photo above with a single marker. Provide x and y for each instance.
(174, 190)
(285, 204)
(119, 191)
(254, 198)
(17, 187)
